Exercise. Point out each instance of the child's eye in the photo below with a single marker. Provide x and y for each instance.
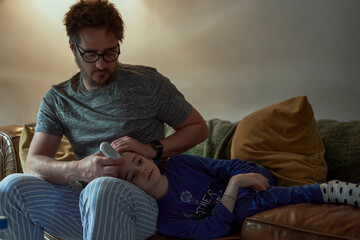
(139, 161)
(132, 178)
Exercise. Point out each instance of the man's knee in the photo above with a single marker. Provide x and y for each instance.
(107, 196)
(13, 182)
(10, 189)
(105, 188)
(115, 193)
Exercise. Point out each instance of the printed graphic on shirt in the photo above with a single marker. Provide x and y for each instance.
(187, 197)
(206, 204)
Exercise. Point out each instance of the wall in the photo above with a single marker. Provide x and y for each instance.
(228, 58)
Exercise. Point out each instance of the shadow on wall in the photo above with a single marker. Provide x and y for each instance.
(259, 33)
(18, 105)
(12, 110)
(227, 57)
(273, 50)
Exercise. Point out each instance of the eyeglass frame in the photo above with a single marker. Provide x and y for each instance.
(98, 54)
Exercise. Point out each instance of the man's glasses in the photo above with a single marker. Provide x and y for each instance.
(91, 56)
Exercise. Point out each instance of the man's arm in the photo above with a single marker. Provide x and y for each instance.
(40, 161)
(187, 134)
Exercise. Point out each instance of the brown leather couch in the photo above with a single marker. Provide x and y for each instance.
(294, 222)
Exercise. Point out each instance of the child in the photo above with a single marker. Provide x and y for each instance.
(199, 198)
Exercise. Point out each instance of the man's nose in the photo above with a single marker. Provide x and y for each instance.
(100, 63)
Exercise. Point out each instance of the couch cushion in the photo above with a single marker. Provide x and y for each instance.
(304, 221)
(283, 137)
(342, 149)
(64, 153)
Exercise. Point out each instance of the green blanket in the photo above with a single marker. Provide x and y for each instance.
(218, 144)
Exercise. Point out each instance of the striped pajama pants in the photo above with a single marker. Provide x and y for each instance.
(107, 208)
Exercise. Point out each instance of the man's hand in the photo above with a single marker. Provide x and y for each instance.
(132, 145)
(97, 165)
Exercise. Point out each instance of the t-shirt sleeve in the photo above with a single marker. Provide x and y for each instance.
(215, 226)
(172, 106)
(47, 120)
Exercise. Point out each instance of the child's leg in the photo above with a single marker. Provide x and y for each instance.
(330, 192)
(341, 192)
(256, 202)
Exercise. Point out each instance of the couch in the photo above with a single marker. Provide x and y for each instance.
(284, 137)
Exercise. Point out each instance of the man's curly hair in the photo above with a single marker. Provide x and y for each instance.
(93, 14)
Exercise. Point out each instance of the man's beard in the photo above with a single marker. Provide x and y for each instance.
(92, 82)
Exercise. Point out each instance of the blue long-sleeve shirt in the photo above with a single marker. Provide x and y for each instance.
(192, 208)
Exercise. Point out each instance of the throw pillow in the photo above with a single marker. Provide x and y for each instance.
(64, 153)
(283, 137)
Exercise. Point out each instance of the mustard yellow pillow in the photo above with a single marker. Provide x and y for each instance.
(283, 137)
(64, 153)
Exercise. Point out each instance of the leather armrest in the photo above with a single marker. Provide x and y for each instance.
(304, 221)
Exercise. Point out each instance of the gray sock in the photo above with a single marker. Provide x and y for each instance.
(341, 193)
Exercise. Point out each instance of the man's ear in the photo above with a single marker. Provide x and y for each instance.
(72, 47)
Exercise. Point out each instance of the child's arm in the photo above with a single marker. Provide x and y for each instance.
(220, 169)
(254, 180)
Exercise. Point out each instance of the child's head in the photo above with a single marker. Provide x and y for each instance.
(142, 172)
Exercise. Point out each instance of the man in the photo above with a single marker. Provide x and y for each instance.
(106, 101)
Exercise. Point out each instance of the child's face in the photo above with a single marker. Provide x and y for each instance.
(140, 171)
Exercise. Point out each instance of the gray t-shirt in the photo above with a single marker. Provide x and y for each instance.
(136, 103)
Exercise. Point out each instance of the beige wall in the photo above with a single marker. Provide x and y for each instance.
(228, 57)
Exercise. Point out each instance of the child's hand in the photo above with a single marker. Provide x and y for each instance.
(254, 180)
